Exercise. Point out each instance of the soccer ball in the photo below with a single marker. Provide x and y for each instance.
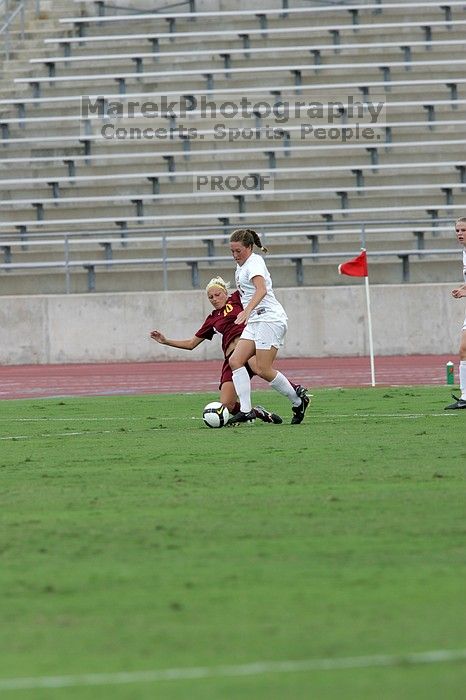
(215, 414)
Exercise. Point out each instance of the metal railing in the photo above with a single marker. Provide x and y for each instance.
(14, 13)
(89, 265)
(161, 255)
(331, 3)
(102, 6)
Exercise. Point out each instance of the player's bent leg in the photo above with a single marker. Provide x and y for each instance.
(297, 394)
(460, 401)
(264, 363)
(243, 351)
(228, 396)
(241, 379)
(463, 365)
(463, 344)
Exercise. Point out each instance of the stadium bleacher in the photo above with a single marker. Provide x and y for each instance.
(63, 178)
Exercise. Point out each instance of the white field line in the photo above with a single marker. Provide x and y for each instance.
(67, 434)
(52, 435)
(327, 416)
(317, 416)
(323, 418)
(45, 418)
(253, 669)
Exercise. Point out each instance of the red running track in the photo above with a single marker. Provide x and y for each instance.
(39, 381)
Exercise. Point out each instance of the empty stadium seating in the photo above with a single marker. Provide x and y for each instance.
(67, 175)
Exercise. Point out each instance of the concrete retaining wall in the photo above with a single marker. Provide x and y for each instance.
(323, 321)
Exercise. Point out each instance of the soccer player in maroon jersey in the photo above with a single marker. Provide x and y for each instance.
(222, 322)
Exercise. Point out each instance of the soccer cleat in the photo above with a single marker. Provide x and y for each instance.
(459, 403)
(299, 411)
(266, 416)
(242, 417)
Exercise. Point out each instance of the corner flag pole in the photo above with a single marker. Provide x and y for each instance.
(357, 267)
(369, 323)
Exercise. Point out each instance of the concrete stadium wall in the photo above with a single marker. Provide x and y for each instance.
(323, 321)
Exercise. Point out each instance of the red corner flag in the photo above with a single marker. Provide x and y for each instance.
(357, 267)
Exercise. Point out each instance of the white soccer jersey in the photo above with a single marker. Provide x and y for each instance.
(464, 264)
(269, 309)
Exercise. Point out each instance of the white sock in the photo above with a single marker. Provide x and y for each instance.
(242, 384)
(463, 379)
(283, 386)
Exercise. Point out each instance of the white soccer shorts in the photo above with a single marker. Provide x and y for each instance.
(265, 334)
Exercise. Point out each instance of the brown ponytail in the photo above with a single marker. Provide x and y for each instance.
(248, 237)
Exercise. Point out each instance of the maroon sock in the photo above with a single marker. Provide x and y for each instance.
(236, 408)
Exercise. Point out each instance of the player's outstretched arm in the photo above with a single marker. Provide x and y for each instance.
(188, 344)
(459, 292)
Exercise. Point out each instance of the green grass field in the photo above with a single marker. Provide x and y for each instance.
(134, 538)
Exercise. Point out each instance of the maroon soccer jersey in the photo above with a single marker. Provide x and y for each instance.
(222, 321)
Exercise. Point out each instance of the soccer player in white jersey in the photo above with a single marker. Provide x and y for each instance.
(266, 326)
(458, 293)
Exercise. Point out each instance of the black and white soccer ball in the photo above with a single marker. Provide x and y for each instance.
(215, 414)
